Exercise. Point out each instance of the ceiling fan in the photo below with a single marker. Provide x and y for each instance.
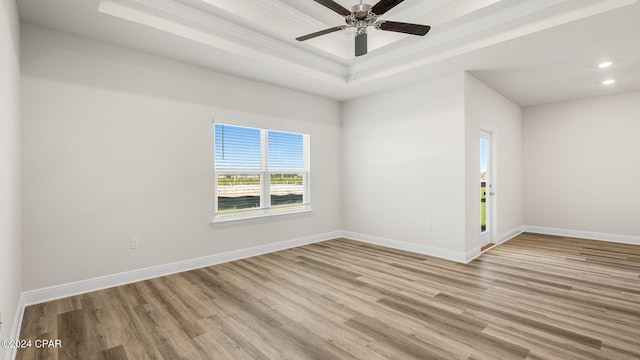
(362, 16)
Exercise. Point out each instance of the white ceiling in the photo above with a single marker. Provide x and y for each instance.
(532, 51)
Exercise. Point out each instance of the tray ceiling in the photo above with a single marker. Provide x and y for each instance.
(494, 39)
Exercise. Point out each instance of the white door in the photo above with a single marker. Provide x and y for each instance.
(486, 189)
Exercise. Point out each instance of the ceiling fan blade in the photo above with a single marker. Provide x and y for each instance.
(384, 5)
(361, 44)
(406, 28)
(334, 6)
(320, 33)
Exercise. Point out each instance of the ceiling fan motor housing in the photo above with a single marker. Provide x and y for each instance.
(361, 11)
(361, 17)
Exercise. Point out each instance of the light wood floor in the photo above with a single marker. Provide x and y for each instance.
(535, 297)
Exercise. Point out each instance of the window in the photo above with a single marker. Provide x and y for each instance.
(259, 172)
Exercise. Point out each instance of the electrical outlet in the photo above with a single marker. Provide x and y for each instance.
(135, 243)
(428, 227)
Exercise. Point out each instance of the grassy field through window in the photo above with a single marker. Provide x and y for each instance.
(243, 179)
(242, 191)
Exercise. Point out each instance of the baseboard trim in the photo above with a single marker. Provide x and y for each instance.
(412, 247)
(472, 254)
(510, 235)
(624, 239)
(65, 290)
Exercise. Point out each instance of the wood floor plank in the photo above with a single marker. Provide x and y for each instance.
(535, 297)
(115, 353)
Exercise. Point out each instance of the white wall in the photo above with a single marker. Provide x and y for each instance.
(581, 165)
(488, 110)
(403, 164)
(117, 144)
(412, 155)
(10, 245)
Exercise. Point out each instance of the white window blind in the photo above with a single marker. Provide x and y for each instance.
(259, 172)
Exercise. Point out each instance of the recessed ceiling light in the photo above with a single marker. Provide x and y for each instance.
(605, 64)
(608, 82)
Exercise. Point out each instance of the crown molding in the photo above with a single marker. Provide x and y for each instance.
(501, 17)
(218, 24)
(301, 18)
(507, 23)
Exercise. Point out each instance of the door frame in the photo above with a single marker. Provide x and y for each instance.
(488, 236)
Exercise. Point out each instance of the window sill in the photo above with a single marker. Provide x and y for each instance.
(258, 218)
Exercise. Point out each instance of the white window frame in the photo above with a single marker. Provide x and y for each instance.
(265, 210)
